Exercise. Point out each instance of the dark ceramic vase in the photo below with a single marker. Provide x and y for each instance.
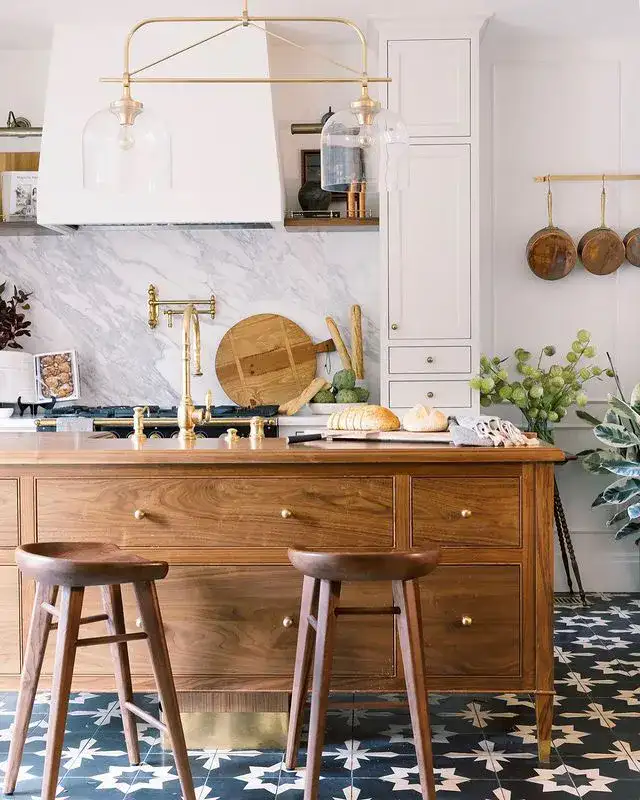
(312, 197)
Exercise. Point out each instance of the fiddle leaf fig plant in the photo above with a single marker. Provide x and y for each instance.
(13, 323)
(619, 431)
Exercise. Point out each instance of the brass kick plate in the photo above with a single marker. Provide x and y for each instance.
(233, 730)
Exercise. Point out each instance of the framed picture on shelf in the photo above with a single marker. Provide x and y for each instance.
(310, 170)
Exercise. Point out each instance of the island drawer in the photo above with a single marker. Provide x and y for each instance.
(472, 620)
(466, 512)
(350, 513)
(8, 513)
(9, 621)
(429, 359)
(243, 621)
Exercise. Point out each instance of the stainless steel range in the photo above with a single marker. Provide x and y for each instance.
(159, 423)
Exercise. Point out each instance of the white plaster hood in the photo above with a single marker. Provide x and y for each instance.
(224, 146)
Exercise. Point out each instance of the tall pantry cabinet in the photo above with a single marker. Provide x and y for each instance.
(430, 231)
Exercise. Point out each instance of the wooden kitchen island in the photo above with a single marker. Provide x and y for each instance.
(223, 515)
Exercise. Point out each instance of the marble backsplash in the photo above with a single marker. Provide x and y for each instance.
(90, 294)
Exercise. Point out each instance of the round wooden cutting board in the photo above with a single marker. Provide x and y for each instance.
(267, 360)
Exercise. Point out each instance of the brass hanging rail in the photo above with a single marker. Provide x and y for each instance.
(588, 177)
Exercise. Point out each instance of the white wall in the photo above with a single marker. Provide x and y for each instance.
(562, 105)
(22, 91)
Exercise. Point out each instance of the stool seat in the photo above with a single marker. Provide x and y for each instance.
(85, 564)
(397, 565)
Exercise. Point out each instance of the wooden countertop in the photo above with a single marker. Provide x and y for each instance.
(90, 448)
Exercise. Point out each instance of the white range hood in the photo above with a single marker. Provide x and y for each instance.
(225, 165)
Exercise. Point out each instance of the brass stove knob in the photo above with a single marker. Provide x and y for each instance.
(286, 513)
(287, 622)
(139, 513)
(466, 621)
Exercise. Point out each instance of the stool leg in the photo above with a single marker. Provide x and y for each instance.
(33, 657)
(325, 636)
(406, 597)
(302, 669)
(152, 623)
(68, 626)
(112, 603)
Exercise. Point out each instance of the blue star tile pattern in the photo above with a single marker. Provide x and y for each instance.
(484, 746)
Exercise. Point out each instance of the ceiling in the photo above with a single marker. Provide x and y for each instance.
(28, 24)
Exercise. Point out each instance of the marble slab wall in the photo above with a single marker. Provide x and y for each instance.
(90, 293)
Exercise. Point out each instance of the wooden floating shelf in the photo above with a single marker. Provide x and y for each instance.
(332, 224)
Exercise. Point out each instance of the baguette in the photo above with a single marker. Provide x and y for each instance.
(357, 355)
(363, 417)
(339, 343)
(292, 406)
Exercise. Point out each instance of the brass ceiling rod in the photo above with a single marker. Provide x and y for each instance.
(244, 20)
(586, 177)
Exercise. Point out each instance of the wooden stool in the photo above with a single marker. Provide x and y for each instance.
(323, 577)
(72, 567)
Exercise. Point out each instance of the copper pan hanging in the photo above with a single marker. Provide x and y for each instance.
(551, 252)
(601, 250)
(632, 247)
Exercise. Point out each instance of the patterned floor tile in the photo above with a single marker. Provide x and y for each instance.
(485, 747)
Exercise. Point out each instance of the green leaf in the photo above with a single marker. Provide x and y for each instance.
(618, 492)
(618, 517)
(615, 436)
(627, 469)
(631, 527)
(625, 410)
(595, 461)
(634, 511)
(588, 417)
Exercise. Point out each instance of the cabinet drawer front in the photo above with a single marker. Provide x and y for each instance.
(9, 622)
(466, 512)
(228, 621)
(8, 513)
(227, 512)
(429, 359)
(489, 596)
(442, 394)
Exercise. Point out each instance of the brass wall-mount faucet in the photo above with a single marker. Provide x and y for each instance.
(188, 415)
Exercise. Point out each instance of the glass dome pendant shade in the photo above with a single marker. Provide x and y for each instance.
(126, 148)
(364, 148)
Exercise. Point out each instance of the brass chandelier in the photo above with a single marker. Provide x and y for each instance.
(363, 147)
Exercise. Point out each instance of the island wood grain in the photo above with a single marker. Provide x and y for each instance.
(214, 513)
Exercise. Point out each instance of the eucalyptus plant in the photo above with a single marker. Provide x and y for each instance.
(620, 432)
(544, 391)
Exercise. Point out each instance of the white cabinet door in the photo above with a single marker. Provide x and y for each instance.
(431, 85)
(430, 246)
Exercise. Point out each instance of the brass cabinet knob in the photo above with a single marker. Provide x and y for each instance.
(466, 621)
(286, 513)
(138, 622)
(429, 395)
(287, 622)
(139, 513)
(430, 359)
(394, 326)
(465, 513)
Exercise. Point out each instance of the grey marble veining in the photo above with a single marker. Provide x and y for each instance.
(90, 293)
